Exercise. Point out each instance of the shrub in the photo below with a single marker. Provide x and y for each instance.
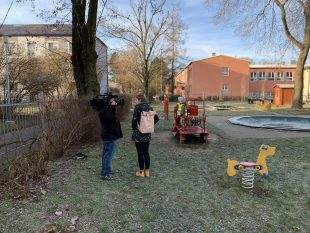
(22, 173)
(66, 125)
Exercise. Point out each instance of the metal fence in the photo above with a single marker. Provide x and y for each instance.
(20, 122)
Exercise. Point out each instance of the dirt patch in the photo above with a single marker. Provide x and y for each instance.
(165, 136)
(261, 192)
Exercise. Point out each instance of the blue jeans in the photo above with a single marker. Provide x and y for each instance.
(107, 155)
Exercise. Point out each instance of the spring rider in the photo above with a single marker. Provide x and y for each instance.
(248, 168)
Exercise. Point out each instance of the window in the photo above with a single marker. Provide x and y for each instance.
(253, 76)
(268, 95)
(289, 76)
(225, 71)
(225, 87)
(280, 76)
(31, 46)
(261, 76)
(70, 48)
(270, 76)
(52, 46)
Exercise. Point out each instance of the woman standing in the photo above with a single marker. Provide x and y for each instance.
(142, 140)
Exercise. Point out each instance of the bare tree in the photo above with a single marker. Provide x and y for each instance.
(274, 21)
(84, 56)
(142, 29)
(84, 18)
(30, 76)
(123, 66)
(174, 51)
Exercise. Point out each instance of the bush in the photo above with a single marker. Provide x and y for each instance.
(22, 173)
(66, 126)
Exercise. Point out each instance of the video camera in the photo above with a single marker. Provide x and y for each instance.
(103, 101)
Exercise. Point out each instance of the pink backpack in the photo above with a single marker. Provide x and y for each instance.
(146, 124)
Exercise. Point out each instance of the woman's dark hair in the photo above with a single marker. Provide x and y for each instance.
(141, 97)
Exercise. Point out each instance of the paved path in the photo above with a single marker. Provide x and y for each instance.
(238, 131)
(16, 141)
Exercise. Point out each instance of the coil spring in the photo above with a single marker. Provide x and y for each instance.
(248, 178)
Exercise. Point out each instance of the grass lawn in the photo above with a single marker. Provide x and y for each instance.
(188, 190)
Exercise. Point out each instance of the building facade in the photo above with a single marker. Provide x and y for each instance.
(264, 77)
(41, 40)
(306, 91)
(217, 77)
(224, 77)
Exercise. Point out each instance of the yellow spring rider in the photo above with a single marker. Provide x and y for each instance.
(248, 168)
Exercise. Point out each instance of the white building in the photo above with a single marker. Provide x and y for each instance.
(37, 40)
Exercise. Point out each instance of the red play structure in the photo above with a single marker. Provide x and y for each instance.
(190, 120)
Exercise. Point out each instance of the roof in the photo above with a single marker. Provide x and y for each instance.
(38, 30)
(35, 30)
(210, 58)
(277, 66)
(215, 57)
(284, 86)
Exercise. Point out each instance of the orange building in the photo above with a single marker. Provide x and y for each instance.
(217, 77)
(264, 77)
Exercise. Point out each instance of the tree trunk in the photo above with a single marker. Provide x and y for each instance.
(171, 81)
(84, 56)
(92, 84)
(299, 79)
(146, 89)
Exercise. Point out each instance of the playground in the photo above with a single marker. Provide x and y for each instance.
(189, 190)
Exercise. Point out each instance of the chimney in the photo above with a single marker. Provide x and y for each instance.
(213, 54)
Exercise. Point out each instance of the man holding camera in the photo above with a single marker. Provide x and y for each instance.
(111, 131)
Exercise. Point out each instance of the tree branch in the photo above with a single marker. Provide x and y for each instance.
(286, 28)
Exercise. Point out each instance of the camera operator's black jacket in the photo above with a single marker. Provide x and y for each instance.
(111, 127)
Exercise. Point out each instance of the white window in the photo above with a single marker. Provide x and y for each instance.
(270, 76)
(280, 76)
(31, 46)
(289, 76)
(253, 76)
(70, 48)
(261, 75)
(52, 46)
(225, 71)
(225, 87)
(269, 94)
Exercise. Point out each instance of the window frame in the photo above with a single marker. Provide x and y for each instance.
(54, 47)
(225, 85)
(30, 52)
(225, 71)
